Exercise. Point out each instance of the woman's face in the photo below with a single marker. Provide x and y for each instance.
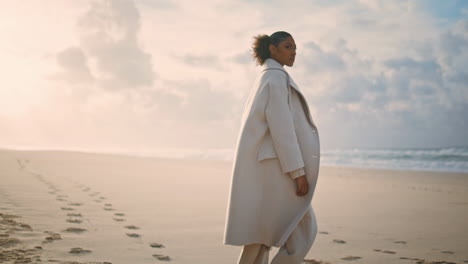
(285, 53)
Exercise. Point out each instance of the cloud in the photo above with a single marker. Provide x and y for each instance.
(453, 52)
(420, 91)
(74, 66)
(158, 4)
(243, 58)
(321, 60)
(375, 73)
(114, 90)
(193, 101)
(205, 61)
(109, 51)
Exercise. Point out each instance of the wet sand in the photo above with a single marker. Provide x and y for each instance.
(71, 207)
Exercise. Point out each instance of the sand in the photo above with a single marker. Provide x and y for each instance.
(72, 207)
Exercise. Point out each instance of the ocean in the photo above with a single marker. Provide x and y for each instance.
(449, 159)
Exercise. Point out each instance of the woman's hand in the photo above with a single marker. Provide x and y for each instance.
(302, 185)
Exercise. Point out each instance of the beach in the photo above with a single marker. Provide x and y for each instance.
(78, 207)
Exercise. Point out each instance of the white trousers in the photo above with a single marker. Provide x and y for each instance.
(294, 249)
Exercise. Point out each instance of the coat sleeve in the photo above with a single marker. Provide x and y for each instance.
(296, 173)
(281, 124)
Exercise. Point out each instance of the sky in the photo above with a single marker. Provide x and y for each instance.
(160, 74)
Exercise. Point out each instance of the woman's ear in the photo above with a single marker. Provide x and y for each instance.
(272, 49)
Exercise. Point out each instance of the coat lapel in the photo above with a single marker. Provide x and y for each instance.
(273, 64)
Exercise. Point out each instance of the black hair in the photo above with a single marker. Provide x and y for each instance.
(260, 46)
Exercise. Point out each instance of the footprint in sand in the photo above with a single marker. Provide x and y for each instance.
(67, 209)
(417, 259)
(75, 204)
(86, 189)
(119, 219)
(132, 227)
(447, 252)
(108, 207)
(30, 255)
(156, 245)
(79, 251)
(385, 251)
(8, 217)
(74, 221)
(75, 230)
(52, 188)
(351, 258)
(313, 261)
(162, 257)
(61, 199)
(102, 198)
(339, 241)
(8, 242)
(323, 232)
(98, 201)
(94, 194)
(75, 214)
(52, 236)
(134, 235)
(20, 164)
(399, 242)
(423, 261)
(119, 214)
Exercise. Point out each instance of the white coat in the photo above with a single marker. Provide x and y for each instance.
(277, 136)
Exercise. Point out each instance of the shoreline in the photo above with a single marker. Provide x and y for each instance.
(192, 159)
(108, 208)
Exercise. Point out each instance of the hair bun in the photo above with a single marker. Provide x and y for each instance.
(260, 49)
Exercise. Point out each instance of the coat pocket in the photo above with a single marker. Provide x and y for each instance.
(267, 149)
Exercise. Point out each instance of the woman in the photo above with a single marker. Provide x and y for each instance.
(276, 164)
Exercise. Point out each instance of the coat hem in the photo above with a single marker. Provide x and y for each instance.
(293, 226)
(244, 243)
(280, 242)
